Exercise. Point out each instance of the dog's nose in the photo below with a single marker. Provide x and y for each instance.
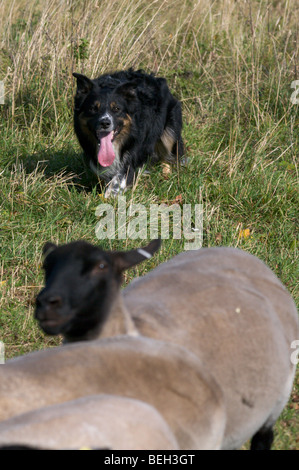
(105, 122)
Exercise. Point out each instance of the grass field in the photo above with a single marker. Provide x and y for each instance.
(231, 64)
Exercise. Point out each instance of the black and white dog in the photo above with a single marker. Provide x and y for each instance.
(123, 120)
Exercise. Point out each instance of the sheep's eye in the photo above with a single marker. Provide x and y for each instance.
(101, 266)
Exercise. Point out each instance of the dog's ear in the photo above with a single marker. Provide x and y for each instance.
(127, 90)
(84, 84)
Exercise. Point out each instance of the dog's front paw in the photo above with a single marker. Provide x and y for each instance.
(116, 186)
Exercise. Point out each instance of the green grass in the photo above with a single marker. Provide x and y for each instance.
(230, 63)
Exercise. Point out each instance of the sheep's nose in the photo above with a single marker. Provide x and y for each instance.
(51, 301)
(55, 301)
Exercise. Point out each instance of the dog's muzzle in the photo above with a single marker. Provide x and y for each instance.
(105, 124)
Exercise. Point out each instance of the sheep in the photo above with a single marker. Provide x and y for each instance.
(222, 305)
(93, 422)
(165, 376)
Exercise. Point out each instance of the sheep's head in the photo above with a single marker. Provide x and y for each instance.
(81, 283)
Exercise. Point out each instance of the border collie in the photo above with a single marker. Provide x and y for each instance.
(124, 120)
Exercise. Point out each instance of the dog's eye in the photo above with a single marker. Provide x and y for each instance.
(115, 108)
(93, 109)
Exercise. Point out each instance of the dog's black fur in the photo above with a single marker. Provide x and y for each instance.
(124, 119)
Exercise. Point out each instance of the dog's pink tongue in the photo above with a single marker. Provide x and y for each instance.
(106, 153)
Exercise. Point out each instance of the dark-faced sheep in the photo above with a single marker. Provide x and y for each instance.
(222, 305)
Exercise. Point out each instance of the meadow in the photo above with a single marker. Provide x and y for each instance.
(232, 65)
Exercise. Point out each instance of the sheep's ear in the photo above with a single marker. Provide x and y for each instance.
(47, 248)
(84, 84)
(127, 259)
